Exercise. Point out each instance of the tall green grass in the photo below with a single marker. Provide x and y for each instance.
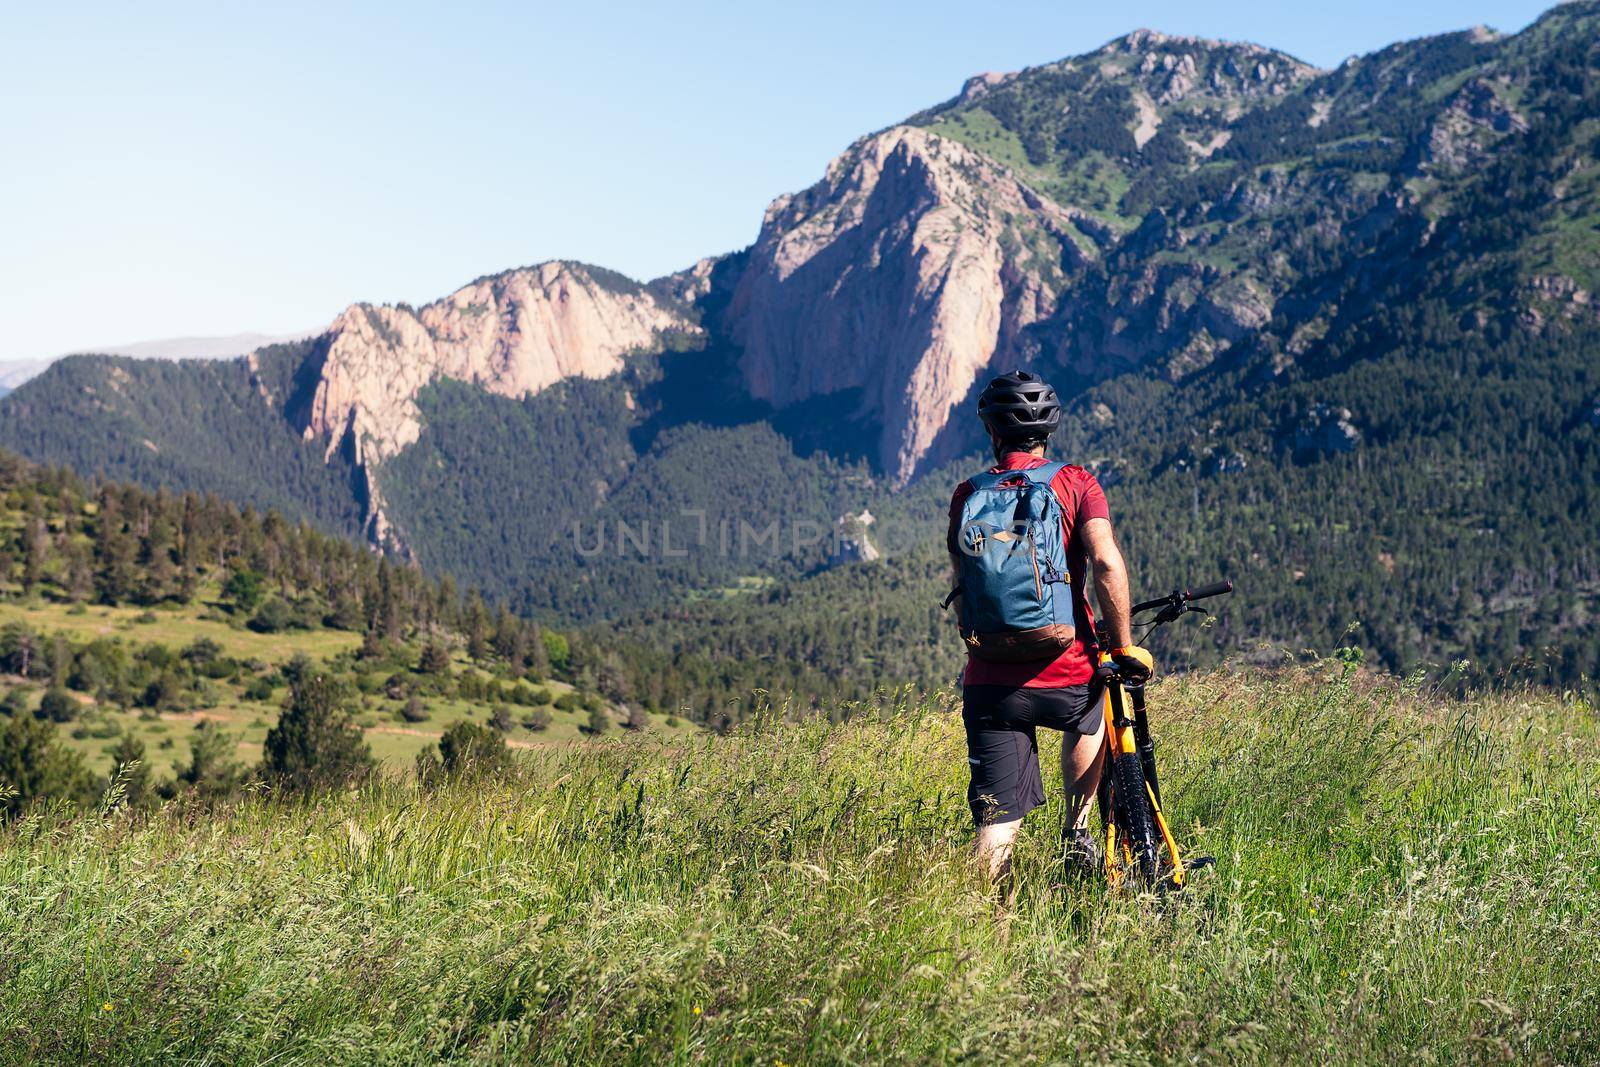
(1400, 879)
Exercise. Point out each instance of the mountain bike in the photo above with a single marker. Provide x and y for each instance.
(1129, 796)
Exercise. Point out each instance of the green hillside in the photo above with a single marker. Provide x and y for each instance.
(1400, 877)
(186, 426)
(590, 520)
(170, 631)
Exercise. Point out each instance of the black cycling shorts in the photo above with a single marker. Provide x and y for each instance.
(1003, 750)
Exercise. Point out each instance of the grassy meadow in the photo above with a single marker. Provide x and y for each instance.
(1400, 878)
(245, 718)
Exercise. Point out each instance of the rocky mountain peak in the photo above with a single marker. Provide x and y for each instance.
(1170, 68)
(1145, 40)
(979, 84)
(895, 281)
(512, 333)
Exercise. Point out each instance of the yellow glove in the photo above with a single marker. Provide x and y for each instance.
(1135, 664)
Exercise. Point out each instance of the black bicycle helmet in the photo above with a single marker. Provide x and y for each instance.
(1020, 407)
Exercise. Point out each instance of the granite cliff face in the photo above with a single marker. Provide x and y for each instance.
(514, 334)
(901, 274)
(932, 253)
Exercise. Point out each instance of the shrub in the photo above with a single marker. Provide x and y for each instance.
(306, 614)
(272, 617)
(57, 705)
(159, 656)
(128, 766)
(346, 615)
(99, 665)
(537, 720)
(501, 718)
(557, 649)
(465, 749)
(568, 702)
(244, 588)
(599, 721)
(20, 651)
(414, 710)
(372, 646)
(213, 773)
(435, 658)
(164, 692)
(299, 666)
(259, 689)
(201, 652)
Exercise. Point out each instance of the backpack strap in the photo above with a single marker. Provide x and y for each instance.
(1043, 474)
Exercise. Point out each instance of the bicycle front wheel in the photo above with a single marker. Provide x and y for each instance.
(1138, 824)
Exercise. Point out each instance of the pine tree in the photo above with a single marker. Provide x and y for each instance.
(212, 773)
(316, 745)
(129, 767)
(115, 551)
(477, 626)
(35, 766)
(35, 549)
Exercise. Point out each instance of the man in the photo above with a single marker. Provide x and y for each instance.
(1004, 702)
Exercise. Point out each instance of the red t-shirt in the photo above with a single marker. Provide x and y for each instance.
(1081, 500)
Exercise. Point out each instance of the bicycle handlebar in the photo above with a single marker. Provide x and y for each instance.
(1214, 589)
(1180, 597)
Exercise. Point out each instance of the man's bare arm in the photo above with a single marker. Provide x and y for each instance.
(1110, 580)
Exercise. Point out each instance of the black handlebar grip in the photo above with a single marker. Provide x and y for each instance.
(1214, 589)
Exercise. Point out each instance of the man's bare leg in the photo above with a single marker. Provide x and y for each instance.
(1082, 759)
(993, 848)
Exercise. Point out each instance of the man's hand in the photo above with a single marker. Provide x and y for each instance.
(1134, 664)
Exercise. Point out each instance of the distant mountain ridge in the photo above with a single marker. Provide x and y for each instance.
(227, 346)
(1215, 251)
(13, 372)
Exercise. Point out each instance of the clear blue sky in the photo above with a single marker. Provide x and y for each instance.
(173, 170)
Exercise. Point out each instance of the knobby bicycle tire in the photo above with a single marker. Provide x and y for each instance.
(1133, 812)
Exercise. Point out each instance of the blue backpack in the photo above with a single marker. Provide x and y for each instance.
(1016, 595)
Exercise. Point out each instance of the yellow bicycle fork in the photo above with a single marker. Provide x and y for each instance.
(1122, 742)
